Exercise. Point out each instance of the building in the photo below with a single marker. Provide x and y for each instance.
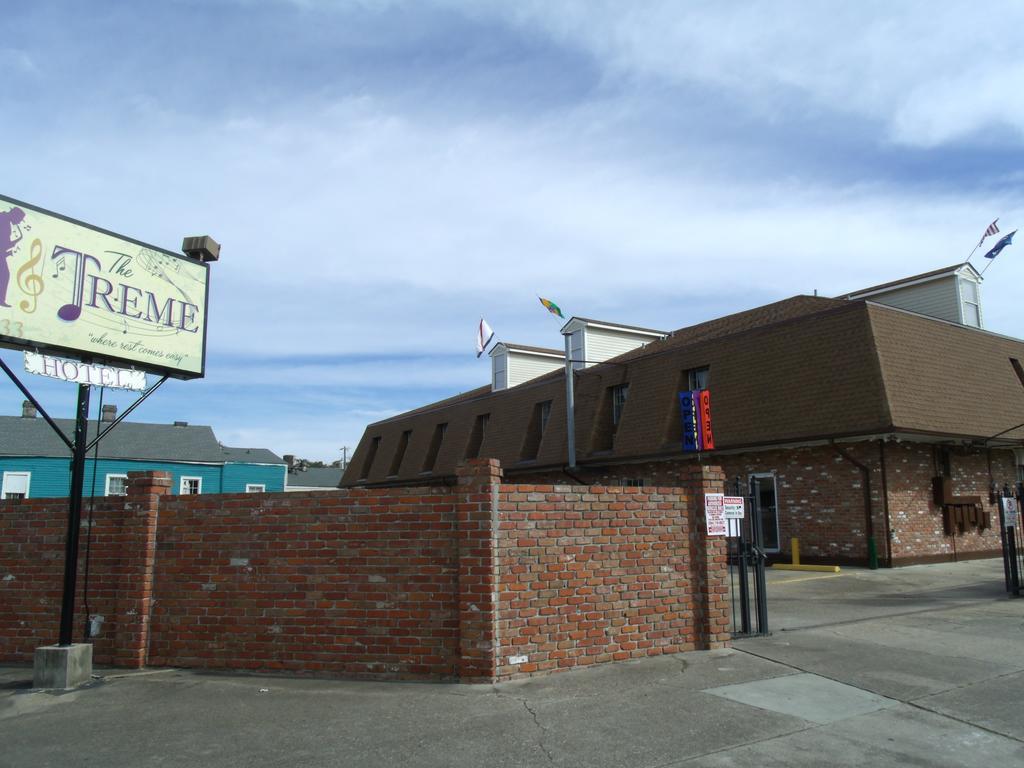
(886, 419)
(302, 477)
(34, 463)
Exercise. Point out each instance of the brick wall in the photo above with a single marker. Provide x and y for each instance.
(384, 583)
(596, 574)
(821, 496)
(917, 521)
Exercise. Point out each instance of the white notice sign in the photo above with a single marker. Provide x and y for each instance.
(733, 507)
(84, 373)
(714, 511)
(1010, 512)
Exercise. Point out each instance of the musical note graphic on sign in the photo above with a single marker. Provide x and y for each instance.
(29, 282)
(60, 266)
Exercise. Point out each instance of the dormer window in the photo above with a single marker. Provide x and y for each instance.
(591, 341)
(476, 438)
(514, 364)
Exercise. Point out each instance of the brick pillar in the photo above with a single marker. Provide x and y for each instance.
(138, 557)
(709, 567)
(477, 514)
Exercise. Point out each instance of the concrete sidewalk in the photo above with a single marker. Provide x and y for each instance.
(916, 666)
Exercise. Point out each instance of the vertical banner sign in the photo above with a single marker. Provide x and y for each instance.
(689, 416)
(69, 287)
(695, 411)
(714, 512)
(707, 438)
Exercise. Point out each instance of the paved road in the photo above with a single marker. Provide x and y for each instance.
(919, 666)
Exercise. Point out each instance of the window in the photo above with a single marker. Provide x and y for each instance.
(117, 485)
(633, 482)
(971, 303)
(577, 350)
(1018, 369)
(499, 368)
(545, 414)
(476, 437)
(371, 454)
(619, 395)
(255, 488)
(15, 485)
(435, 446)
(403, 444)
(698, 378)
(608, 417)
(190, 486)
(535, 431)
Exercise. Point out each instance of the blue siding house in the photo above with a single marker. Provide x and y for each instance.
(34, 463)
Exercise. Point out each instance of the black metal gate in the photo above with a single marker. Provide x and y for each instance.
(747, 585)
(1012, 533)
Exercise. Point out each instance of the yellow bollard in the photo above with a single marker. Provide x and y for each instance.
(794, 545)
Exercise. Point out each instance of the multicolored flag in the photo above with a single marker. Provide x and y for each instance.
(998, 247)
(992, 230)
(484, 336)
(551, 307)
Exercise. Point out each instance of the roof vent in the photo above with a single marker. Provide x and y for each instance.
(109, 413)
(28, 411)
(181, 423)
(513, 364)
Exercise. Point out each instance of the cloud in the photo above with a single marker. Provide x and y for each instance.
(390, 172)
(930, 73)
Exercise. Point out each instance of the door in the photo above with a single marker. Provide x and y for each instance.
(766, 498)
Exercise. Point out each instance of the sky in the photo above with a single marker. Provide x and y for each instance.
(382, 173)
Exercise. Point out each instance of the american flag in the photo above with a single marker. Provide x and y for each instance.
(992, 230)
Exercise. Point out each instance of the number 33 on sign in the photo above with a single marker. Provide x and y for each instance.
(9, 328)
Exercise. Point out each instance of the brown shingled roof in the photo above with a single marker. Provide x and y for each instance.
(807, 368)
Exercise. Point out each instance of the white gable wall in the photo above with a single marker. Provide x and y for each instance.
(524, 367)
(936, 298)
(604, 344)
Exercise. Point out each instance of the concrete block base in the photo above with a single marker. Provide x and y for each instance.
(62, 666)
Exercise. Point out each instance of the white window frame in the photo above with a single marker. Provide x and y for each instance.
(106, 486)
(185, 479)
(4, 485)
(255, 487)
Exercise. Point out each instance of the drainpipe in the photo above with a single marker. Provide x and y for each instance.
(869, 524)
(885, 503)
(570, 408)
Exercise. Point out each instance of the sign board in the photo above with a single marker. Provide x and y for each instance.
(695, 412)
(714, 511)
(1011, 514)
(734, 512)
(72, 288)
(733, 507)
(84, 373)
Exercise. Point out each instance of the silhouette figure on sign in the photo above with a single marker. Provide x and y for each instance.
(10, 236)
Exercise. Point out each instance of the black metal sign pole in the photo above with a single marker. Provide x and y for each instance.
(67, 606)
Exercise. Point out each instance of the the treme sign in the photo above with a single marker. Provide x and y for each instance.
(69, 287)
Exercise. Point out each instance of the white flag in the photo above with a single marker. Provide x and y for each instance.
(484, 334)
